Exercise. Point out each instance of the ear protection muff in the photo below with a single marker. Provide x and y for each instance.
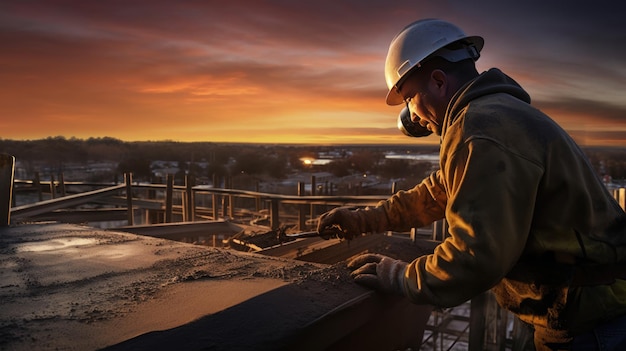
(409, 128)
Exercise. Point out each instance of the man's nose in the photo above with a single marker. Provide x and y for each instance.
(416, 119)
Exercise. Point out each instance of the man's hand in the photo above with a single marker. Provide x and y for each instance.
(379, 272)
(352, 223)
(345, 219)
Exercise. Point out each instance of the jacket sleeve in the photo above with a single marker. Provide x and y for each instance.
(491, 196)
(417, 207)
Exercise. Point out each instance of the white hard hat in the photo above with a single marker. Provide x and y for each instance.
(422, 39)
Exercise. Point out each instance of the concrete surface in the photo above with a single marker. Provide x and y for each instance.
(69, 287)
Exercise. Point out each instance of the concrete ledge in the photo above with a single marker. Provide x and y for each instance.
(284, 319)
(71, 287)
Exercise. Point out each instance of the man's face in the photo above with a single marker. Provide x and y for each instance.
(420, 101)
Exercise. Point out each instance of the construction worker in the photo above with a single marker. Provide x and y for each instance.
(528, 217)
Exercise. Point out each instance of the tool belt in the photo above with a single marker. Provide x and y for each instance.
(605, 274)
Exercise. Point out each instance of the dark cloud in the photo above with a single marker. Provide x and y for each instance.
(598, 112)
(591, 137)
(79, 58)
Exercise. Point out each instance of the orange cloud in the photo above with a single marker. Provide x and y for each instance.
(278, 71)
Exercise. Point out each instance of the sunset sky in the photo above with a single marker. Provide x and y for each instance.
(279, 71)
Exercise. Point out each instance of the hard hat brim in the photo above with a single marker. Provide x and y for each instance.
(393, 97)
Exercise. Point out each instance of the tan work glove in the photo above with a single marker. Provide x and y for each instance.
(352, 223)
(379, 272)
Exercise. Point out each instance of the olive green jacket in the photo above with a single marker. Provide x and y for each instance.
(524, 207)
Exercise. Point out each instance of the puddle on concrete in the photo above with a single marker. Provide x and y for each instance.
(55, 244)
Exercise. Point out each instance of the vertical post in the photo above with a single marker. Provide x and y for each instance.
(189, 183)
(231, 200)
(621, 197)
(313, 185)
(503, 322)
(62, 184)
(440, 230)
(495, 325)
(394, 188)
(225, 200)
(436, 230)
(169, 198)
(301, 209)
(478, 304)
(128, 178)
(53, 188)
(274, 217)
(214, 198)
(13, 200)
(37, 185)
(184, 205)
(7, 170)
(522, 335)
(152, 216)
(224, 206)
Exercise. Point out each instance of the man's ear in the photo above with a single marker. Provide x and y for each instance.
(439, 81)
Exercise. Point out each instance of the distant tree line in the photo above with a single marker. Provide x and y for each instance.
(137, 157)
(263, 161)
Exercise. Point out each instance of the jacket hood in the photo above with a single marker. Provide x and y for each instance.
(492, 81)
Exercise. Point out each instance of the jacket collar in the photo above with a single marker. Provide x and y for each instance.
(489, 82)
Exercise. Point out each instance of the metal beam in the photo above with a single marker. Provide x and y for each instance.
(37, 208)
(184, 229)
